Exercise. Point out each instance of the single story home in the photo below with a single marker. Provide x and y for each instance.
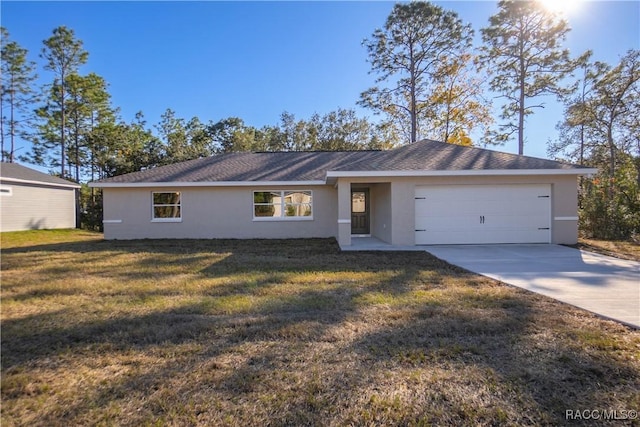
(31, 200)
(423, 193)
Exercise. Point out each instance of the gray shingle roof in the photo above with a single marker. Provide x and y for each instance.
(435, 156)
(313, 166)
(14, 171)
(281, 166)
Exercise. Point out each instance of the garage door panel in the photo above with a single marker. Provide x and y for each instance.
(455, 237)
(528, 220)
(443, 222)
(467, 214)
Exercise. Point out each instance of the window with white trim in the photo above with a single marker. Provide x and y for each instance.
(281, 204)
(166, 206)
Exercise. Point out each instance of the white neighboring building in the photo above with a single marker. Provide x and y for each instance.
(31, 200)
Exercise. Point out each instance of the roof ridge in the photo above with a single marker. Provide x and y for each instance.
(314, 151)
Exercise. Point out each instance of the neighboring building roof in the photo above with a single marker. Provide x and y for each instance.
(13, 172)
(423, 157)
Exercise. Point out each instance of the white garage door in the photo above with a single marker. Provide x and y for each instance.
(478, 214)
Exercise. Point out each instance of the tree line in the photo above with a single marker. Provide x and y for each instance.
(431, 82)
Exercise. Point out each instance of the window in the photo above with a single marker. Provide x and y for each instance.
(282, 205)
(6, 191)
(166, 207)
(358, 202)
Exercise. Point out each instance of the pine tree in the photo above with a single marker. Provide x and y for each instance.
(522, 54)
(63, 54)
(17, 93)
(406, 55)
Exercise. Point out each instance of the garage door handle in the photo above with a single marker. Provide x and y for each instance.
(421, 230)
(481, 219)
(543, 228)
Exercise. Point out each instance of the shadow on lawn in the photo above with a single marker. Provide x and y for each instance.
(287, 356)
(30, 338)
(547, 378)
(266, 247)
(434, 337)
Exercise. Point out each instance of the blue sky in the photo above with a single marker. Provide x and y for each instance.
(255, 60)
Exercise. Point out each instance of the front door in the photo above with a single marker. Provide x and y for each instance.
(360, 211)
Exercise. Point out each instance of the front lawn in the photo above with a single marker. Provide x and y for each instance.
(289, 332)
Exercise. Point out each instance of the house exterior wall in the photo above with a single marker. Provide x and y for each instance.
(344, 212)
(214, 212)
(381, 211)
(564, 222)
(564, 215)
(227, 212)
(32, 207)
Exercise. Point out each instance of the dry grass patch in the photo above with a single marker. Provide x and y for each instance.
(228, 332)
(620, 249)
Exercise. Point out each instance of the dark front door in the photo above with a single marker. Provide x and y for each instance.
(360, 211)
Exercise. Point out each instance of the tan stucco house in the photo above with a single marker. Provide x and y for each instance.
(31, 200)
(424, 193)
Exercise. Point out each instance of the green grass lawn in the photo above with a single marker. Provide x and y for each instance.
(289, 332)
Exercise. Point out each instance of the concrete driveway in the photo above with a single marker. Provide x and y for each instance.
(604, 285)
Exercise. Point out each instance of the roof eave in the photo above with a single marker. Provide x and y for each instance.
(466, 172)
(44, 183)
(99, 184)
(332, 175)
